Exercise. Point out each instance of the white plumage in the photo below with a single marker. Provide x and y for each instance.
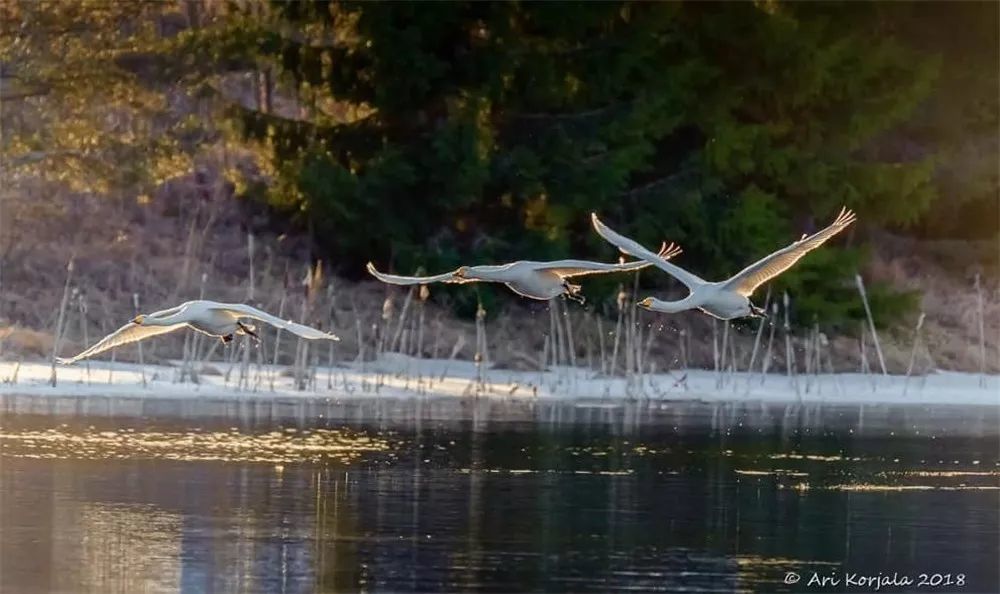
(730, 298)
(537, 280)
(221, 320)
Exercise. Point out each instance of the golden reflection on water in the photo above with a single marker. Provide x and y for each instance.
(873, 487)
(124, 548)
(276, 447)
(895, 480)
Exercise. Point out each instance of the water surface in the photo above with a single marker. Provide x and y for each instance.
(140, 495)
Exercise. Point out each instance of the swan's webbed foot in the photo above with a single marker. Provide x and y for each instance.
(573, 292)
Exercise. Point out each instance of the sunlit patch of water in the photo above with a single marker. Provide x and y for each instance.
(275, 447)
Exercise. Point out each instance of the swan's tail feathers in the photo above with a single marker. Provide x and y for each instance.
(670, 250)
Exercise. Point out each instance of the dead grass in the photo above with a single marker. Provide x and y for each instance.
(163, 249)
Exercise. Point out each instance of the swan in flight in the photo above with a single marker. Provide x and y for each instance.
(730, 298)
(208, 317)
(537, 280)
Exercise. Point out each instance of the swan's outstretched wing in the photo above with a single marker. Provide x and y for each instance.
(130, 332)
(755, 275)
(392, 279)
(246, 311)
(571, 268)
(634, 249)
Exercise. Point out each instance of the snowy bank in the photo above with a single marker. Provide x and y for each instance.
(397, 376)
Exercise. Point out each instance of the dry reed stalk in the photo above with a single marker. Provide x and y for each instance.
(982, 332)
(683, 347)
(715, 348)
(589, 346)
(913, 351)
(361, 341)
(197, 337)
(111, 368)
(789, 353)
(277, 339)
(388, 308)
(142, 368)
(397, 335)
(600, 344)
(62, 316)
(17, 368)
(621, 300)
(250, 251)
(82, 304)
(871, 321)
(765, 365)
(481, 341)
(648, 350)
(424, 294)
(865, 367)
(721, 364)
(570, 341)
(554, 343)
(757, 336)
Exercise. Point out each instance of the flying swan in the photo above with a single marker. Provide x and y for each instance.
(221, 320)
(537, 280)
(730, 298)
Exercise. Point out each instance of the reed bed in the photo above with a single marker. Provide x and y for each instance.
(611, 338)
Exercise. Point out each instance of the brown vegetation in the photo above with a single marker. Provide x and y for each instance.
(191, 240)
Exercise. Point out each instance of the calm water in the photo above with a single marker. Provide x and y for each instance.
(127, 495)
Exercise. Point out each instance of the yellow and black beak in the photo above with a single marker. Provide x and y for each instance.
(137, 320)
(647, 302)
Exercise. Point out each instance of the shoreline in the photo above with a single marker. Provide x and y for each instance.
(396, 376)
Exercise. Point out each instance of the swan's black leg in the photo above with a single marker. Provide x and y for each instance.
(226, 338)
(246, 329)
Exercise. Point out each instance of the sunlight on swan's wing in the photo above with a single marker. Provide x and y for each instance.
(755, 275)
(392, 279)
(246, 311)
(128, 333)
(166, 313)
(571, 268)
(634, 249)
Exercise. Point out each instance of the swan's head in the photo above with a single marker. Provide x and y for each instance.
(462, 272)
(647, 303)
(139, 320)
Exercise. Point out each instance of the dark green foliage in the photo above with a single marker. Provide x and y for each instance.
(493, 129)
(433, 134)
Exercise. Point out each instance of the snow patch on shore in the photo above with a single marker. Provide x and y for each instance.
(400, 377)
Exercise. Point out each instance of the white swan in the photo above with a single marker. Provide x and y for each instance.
(537, 280)
(730, 298)
(208, 317)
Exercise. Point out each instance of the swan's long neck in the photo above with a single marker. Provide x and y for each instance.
(148, 321)
(489, 273)
(675, 306)
(161, 321)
